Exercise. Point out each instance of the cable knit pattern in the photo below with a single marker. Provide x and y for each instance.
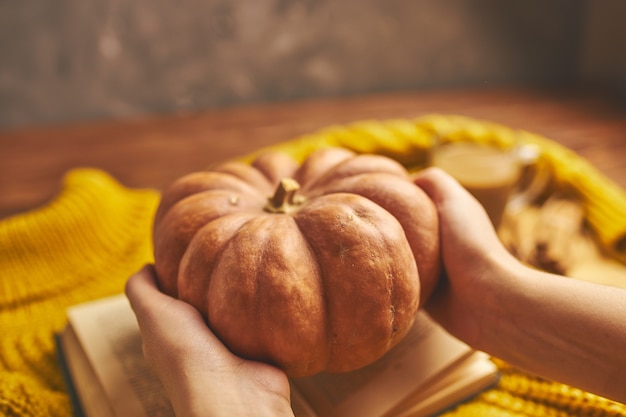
(85, 243)
(81, 246)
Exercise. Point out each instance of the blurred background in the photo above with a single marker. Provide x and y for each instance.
(66, 61)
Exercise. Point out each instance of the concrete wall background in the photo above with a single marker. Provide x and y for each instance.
(73, 60)
(603, 46)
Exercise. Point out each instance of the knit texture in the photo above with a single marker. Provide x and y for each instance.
(79, 247)
(96, 233)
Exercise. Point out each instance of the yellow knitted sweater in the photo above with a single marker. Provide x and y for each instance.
(96, 232)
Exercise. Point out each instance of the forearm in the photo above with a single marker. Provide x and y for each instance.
(567, 330)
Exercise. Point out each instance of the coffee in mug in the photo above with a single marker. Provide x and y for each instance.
(490, 174)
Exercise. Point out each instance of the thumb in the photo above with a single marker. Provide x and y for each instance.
(439, 185)
(170, 327)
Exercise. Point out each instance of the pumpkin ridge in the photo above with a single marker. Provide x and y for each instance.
(355, 214)
(190, 253)
(341, 184)
(321, 277)
(234, 199)
(359, 165)
(217, 278)
(400, 202)
(258, 301)
(389, 272)
(259, 305)
(245, 173)
(177, 227)
(393, 301)
(319, 163)
(292, 291)
(199, 182)
(274, 166)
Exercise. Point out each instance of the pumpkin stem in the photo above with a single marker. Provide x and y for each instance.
(284, 198)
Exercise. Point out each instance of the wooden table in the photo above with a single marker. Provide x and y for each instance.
(151, 152)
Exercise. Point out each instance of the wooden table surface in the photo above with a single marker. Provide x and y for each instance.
(151, 152)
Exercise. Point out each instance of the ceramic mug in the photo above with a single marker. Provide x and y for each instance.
(492, 175)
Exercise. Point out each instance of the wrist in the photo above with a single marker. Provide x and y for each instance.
(502, 313)
(236, 400)
(489, 300)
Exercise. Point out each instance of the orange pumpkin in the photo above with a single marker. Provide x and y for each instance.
(324, 275)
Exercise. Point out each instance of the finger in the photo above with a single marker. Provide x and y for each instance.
(453, 201)
(142, 291)
(154, 308)
(439, 185)
(172, 330)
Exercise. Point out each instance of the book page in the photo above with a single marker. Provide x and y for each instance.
(112, 353)
(90, 397)
(373, 391)
(468, 377)
(109, 333)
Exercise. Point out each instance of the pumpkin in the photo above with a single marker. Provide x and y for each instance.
(312, 267)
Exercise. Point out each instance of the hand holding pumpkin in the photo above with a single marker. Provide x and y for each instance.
(471, 251)
(313, 267)
(486, 296)
(561, 328)
(200, 376)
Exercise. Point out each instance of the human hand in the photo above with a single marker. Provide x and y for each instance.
(472, 255)
(200, 375)
(563, 329)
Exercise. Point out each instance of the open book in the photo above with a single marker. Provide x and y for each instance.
(428, 371)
